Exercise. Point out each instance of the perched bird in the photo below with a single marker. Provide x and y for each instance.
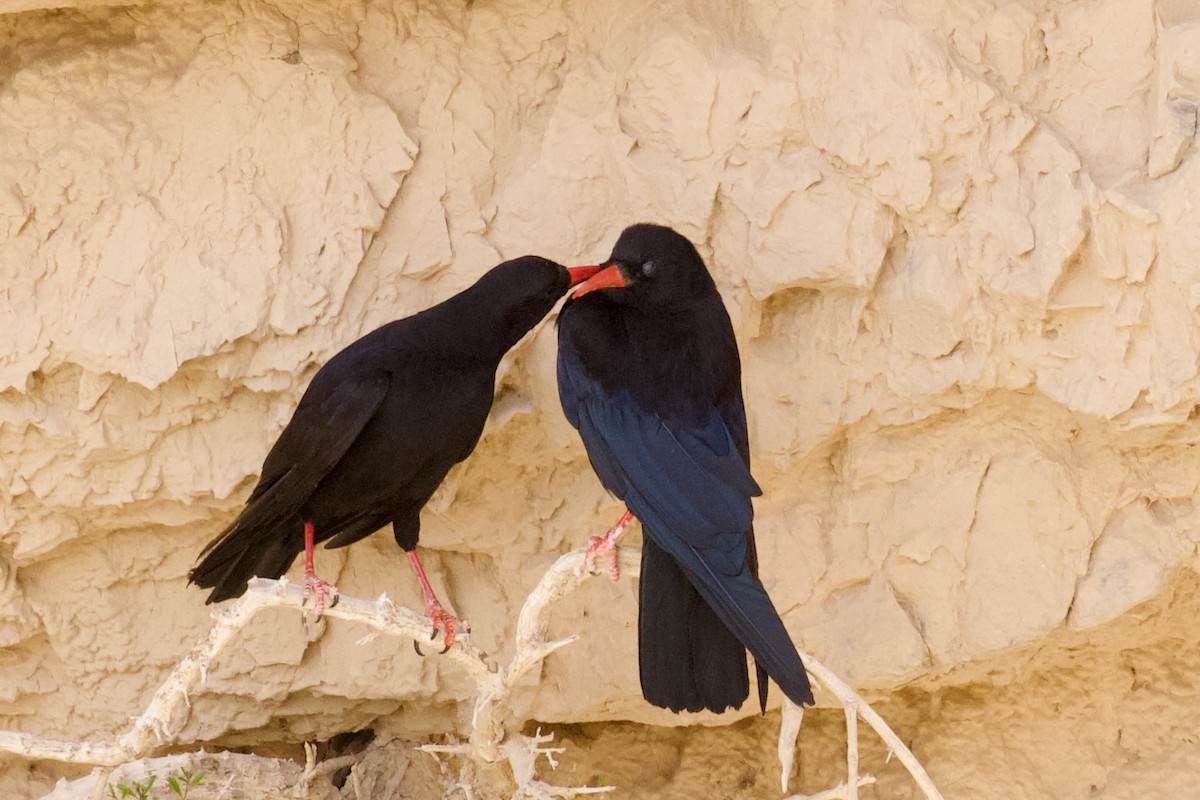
(378, 429)
(649, 374)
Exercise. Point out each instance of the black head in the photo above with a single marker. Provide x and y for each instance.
(650, 265)
(522, 291)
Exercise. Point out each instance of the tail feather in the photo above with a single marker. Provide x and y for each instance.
(722, 572)
(743, 604)
(233, 558)
(760, 674)
(688, 659)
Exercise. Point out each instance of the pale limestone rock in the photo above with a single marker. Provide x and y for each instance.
(959, 243)
(1131, 561)
(808, 227)
(864, 627)
(169, 167)
(1028, 545)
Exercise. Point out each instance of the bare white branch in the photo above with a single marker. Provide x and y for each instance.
(491, 706)
(490, 741)
(167, 709)
(789, 732)
(839, 792)
(41, 749)
(855, 707)
(522, 753)
(851, 711)
(314, 769)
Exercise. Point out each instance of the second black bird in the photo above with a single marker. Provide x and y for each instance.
(648, 372)
(378, 429)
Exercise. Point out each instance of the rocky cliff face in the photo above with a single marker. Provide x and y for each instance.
(960, 244)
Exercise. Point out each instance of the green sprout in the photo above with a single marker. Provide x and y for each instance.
(187, 779)
(140, 790)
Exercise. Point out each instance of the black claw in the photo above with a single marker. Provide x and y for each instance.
(417, 647)
(445, 650)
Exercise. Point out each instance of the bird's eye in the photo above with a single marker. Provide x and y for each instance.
(648, 268)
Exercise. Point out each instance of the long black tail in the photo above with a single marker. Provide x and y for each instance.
(688, 659)
(740, 601)
(238, 554)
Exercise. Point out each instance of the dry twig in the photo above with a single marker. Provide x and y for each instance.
(854, 707)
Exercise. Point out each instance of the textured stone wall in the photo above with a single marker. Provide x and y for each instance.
(960, 244)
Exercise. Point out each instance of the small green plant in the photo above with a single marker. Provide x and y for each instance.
(184, 783)
(140, 790)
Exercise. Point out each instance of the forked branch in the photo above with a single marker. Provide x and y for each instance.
(489, 741)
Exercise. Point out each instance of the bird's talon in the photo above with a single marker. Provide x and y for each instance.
(324, 594)
(444, 621)
(603, 546)
(417, 647)
(448, 621)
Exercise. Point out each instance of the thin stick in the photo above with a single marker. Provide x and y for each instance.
(839, 792)
(789, 732)
(851, 750)
(491, 706)
(848, 697)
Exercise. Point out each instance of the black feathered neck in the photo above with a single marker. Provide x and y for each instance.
(666, 339)
(487, 318)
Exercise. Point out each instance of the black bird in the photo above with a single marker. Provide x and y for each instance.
(378, 429)
(649, 374)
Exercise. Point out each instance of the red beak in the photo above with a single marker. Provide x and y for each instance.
(606, 278)
(581, 274)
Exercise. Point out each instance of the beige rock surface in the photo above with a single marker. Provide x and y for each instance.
(960, 243)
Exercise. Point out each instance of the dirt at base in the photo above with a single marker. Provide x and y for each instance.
(733, 762)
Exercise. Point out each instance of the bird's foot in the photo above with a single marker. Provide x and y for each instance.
(314, 586)
(602, 546)
(444, 620)
(325, 594)
(606, 546)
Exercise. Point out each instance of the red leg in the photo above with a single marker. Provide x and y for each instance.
(606, 546)
(314, 586)
(433, 609)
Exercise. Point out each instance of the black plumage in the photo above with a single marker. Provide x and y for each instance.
(649, 374)
(380, 425)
